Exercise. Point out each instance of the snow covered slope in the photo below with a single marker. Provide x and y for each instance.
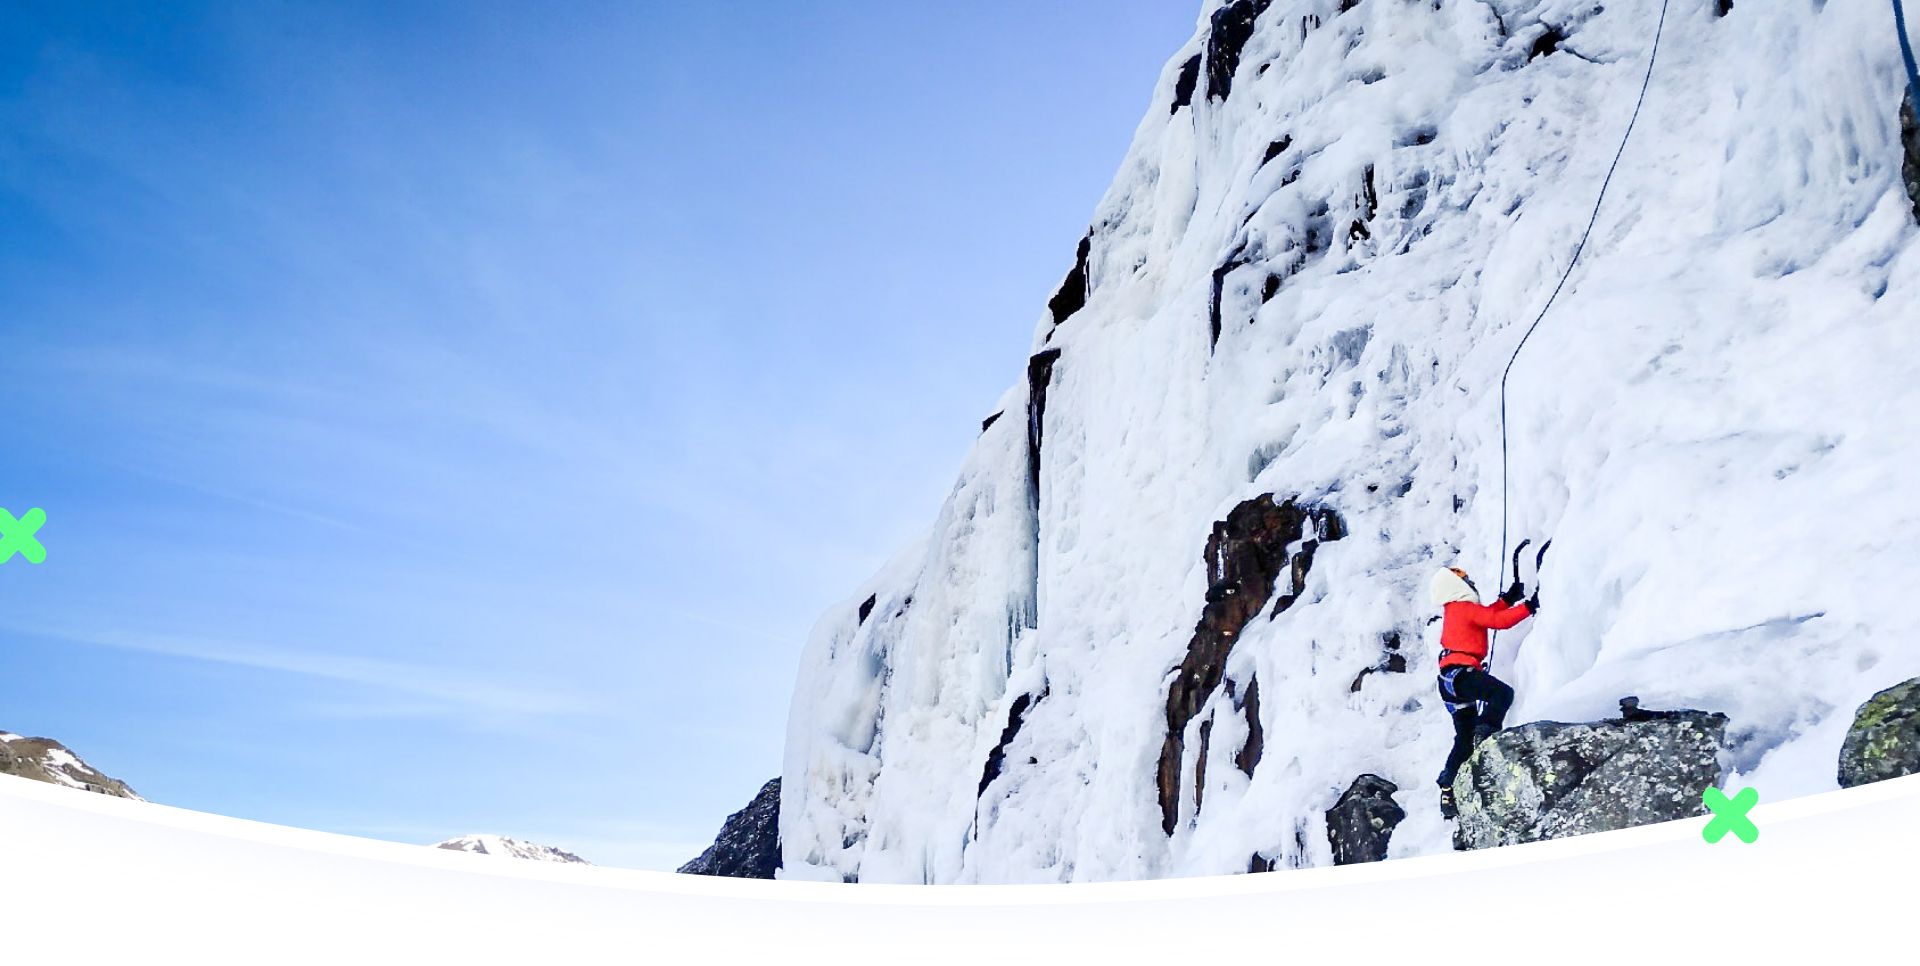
(1331, 230)
(511, 848)
(93, 879)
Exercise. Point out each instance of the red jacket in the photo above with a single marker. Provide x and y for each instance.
(1463, 636)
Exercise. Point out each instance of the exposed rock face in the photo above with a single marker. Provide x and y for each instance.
(1549, 780)
(749, 843)
(46, 760)
(1232, 28)
(1884, 741)
(1039, 377)
(1071, 297)
(1360, 824)
(1910, 157)
(1391, 662)
(1184, 85)
(1246, 555)
(1235, 261)
(510, 848)
(997, 758)
(1249, 755)
(1549, 41)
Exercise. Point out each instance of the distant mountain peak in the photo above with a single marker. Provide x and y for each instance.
(510, 847)
(47, 760)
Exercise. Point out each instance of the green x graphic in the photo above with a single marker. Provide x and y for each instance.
(16, 536)
(1730, 815)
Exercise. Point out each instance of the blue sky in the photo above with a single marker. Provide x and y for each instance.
(453, 417)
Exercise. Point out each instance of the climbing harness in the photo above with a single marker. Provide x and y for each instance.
(1653, 54)
(1447, 695)
(1906, 53)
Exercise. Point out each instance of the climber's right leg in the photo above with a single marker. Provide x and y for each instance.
(1464, 718)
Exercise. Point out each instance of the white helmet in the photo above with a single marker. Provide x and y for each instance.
(1451, 584)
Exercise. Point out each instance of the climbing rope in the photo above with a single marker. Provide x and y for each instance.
(1906, 54)
(1653, 54)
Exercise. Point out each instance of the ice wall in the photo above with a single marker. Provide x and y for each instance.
(1333, 224)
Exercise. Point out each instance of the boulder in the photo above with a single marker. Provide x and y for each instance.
(1550, 780)
(1360, 824)
(1884, 741)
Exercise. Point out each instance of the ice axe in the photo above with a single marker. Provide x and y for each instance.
(1516, 556)
(1538, 558)
(1493, 638)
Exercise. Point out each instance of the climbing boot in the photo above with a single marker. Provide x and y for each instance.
(1447, 809)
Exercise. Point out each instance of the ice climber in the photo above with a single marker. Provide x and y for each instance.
(1464, 678)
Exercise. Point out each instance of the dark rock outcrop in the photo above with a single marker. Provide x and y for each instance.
(997, 758)
(1361, 823)
(1910, 152)
(1366, 205)
(1039, 377)
(1183, 86)
(1550, 780)
(748, 846)
(1884, 741)
(1391, 661)
(1326, 529)
(1270, 288)
(46, 760)
(1235, 260)
(1227, 36)
(1246, 556)
(1248, 757)
(1548, 42)
(1072, 294)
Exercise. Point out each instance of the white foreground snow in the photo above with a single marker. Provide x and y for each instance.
(1717, 425)
(93, 879)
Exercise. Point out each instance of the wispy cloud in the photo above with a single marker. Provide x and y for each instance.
(441, 690)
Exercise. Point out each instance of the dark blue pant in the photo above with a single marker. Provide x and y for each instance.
(1461, 690)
